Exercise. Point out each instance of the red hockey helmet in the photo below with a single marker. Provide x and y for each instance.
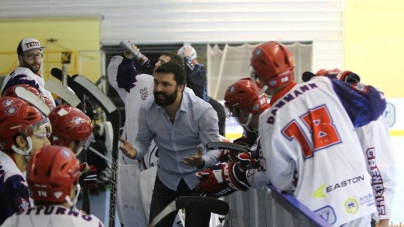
(51, 172)
(273, 64)
(69, 124)
(18, 116)
(11, 90)
(243, 95)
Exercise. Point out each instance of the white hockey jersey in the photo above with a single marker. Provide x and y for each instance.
(378, 151)
(311, 149)
(23, 75)
(52, 216)
(14, 192)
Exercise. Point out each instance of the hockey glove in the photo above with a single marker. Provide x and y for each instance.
(88, 176)
(222, 179)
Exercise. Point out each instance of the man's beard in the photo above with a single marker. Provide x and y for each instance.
(169, 99)
(25, 64)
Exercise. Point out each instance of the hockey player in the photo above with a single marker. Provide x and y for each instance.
(23, 129)
(52, 176)
(307, 139)
(70, 128)
(245, 105)
(30, 55)
(378, 152)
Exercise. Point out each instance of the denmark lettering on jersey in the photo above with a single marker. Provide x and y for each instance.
(292, 95)
(377, 181)
(56, 210)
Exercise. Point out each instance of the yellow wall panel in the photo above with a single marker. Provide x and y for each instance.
(374, 36)
(75, 35)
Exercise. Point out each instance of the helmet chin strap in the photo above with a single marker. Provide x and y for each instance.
(19, 151)
(247, 124)
(263, 90)
(73, 202)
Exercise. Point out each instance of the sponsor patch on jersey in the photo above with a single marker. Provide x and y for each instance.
(11, 110)
(327, 213)
(144, 93)
(351, 205)
(368, 199)
(319, 192)
(344, 183)
(272, 82)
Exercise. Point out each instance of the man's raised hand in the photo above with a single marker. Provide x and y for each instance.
(127, 149)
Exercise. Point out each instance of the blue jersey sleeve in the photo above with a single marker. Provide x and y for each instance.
(14, 196)
(126, 77)
(20, 79)
(362, 103)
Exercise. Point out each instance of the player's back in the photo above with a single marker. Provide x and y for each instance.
(57, 216)
(311, 148)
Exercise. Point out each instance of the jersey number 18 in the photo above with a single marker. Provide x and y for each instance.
(319, 123)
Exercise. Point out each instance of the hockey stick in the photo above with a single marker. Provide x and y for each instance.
(62, 91)
(114, 117)
(225, 145)
(81, 84)
(192, 202)
(34, 100)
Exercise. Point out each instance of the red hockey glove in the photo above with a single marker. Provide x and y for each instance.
(222, 179)
(227, 156)
(88, 176)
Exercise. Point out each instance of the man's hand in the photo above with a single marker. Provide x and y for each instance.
(127, 149)
(128, 54)
(187, 51)
(195, 160)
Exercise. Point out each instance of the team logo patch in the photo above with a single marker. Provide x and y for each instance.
(327, 213)
(258, 53)
(11, 111)
(66, 153)
(8, 102)
(255, 107)
(351, 205)
(232, 89)
(272, 82)
(77, 121)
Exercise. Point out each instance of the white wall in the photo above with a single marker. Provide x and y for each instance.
(203, 21)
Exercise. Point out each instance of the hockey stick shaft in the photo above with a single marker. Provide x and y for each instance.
(225, 145)
(32, 99)
(193, 202)
(70, 98)
(114, 117)
(62, 92)
(100, 155)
